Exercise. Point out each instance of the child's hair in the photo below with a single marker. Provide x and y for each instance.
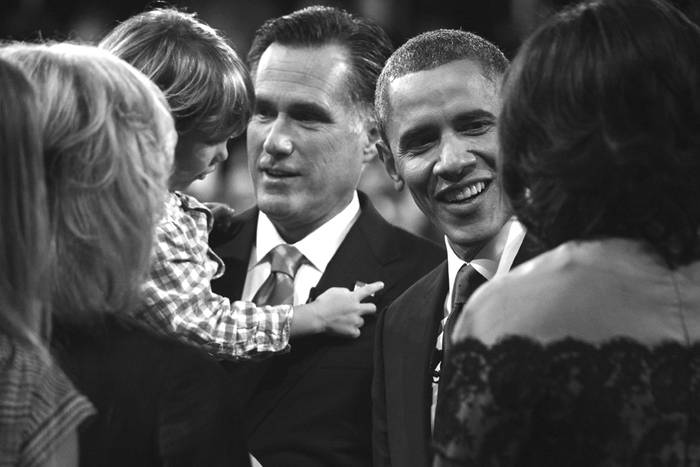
(206, 84)
(108, 148)
(24, 244)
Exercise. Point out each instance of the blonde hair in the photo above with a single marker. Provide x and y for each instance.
(207, 85)
(24, 244)
(108, 150)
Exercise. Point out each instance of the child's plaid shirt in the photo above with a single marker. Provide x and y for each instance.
(178, 298)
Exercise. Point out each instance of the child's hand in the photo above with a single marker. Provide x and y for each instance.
(340, 310)
(222, 216)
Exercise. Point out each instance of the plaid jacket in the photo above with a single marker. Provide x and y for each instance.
(178, 296)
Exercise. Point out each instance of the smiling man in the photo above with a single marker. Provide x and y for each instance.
(438, 103)
(312, 132)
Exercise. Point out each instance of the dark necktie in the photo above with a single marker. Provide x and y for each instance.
(467, 281)
(278, 288)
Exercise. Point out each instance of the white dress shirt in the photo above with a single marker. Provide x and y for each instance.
(318, 248)
(495, 258)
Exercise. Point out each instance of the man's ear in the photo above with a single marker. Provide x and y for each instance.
(387, 159)
(372, 135)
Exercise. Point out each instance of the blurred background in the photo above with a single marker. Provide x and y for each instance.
(504, 22)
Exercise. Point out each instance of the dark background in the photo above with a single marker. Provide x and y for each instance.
(504, 22)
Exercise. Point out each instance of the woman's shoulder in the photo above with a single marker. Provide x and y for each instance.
(29, 376)
(122, 348)
(571, 288)
(40, 407)
(530, 289)
(162, 387)
(552, 265)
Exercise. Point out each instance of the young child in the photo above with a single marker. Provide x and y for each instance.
(210, 95)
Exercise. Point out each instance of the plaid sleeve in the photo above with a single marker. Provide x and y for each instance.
(179, 300)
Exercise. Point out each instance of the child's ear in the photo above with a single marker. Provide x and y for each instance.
(387, 159)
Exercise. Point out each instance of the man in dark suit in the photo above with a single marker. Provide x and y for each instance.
(312, 131)
(438, 101)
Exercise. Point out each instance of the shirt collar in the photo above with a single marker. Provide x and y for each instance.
(496, 257)
(319, 246)
(173, 202)
(186, 201)
(177, 202)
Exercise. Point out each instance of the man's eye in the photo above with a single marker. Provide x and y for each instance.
(306, 118)
(416, 149)
(309, 117)
(264, 112)
(475, 127)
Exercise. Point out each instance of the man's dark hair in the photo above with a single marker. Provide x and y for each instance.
(599, 127)
(367, 45)
(431, 50)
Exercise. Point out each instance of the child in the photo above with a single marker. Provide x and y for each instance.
(210, 94)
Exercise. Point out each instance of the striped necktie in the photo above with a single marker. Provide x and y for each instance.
(278, 288)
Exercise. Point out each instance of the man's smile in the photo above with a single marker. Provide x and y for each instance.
(463, 192)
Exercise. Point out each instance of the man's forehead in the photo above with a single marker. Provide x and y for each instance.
(298, 61)
(459, 84)
(318, 74)
(466, 70)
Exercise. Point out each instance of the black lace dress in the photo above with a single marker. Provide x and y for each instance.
(570, 403)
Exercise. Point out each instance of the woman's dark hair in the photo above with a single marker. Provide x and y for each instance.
(600, 127)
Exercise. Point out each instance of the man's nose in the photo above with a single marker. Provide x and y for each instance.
(455, 159)
(278, 141)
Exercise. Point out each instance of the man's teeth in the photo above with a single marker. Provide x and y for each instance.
(467, 192)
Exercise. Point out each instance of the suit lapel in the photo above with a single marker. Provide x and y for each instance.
(528, 250)
(236, 253)
(411, 336)
(414, 332)
(360, 257)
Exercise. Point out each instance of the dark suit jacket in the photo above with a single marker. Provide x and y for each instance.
(312, 406)
(403, 367)
(159, 402)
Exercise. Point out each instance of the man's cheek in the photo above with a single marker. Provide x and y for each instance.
(417, 175)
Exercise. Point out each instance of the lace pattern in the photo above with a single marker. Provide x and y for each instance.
(570, 403)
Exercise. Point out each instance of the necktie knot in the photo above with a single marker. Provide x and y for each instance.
(467, 281)
(285, 259)
(278, 288)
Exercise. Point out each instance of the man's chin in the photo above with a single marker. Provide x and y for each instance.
(275, 206)
(468, 239)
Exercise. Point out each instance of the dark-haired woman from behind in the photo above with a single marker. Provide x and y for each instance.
(589, 354)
